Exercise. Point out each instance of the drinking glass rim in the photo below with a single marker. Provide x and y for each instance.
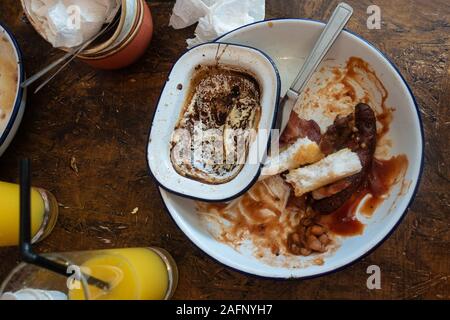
(85, 255)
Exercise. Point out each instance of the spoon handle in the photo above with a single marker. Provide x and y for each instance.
(44, 71)
(337, 22)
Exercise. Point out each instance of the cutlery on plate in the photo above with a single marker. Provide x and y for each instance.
(67, 58)
(333, 28)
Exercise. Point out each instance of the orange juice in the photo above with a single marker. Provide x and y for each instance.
(132, 274)
(44, 211)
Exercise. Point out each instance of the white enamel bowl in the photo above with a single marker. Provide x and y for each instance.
(172, 102)
(287, 42)
(16, 114)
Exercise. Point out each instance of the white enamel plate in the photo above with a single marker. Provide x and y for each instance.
(288, 42)
(9, 125)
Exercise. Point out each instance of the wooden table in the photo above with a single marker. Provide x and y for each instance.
(99, 121)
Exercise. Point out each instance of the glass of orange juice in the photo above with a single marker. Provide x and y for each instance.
(44, 213)
(131, 274)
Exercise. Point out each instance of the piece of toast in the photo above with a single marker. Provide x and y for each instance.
(330, 169)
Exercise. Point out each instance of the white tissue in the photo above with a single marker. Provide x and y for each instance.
(55, 17)
(34, 294)
(215, 17)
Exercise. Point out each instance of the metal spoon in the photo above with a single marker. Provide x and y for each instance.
(69, 56)
(337, 22)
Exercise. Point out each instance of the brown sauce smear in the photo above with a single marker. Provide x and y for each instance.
(354, 67)
(383, 175)
(343, 222)
(257, 216)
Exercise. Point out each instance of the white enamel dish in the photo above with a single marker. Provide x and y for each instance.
(15, 116)
(287, 42)
(173, 100)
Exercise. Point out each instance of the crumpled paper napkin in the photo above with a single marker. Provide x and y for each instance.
(58, 24)
(34, 294)
(215, 17)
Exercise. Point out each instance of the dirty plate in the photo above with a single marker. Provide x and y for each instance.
(12, 96)
(288, 42)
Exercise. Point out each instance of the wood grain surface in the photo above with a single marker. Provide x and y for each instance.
(99, 120)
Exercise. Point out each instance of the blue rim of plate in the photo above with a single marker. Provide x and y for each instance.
(274, 118)
(419, 177)
(20, 92)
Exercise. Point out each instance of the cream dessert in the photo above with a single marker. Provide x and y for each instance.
(8, 80)
(212, 136)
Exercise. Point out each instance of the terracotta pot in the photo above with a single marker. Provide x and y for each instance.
(128, 42)
(131, 49)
